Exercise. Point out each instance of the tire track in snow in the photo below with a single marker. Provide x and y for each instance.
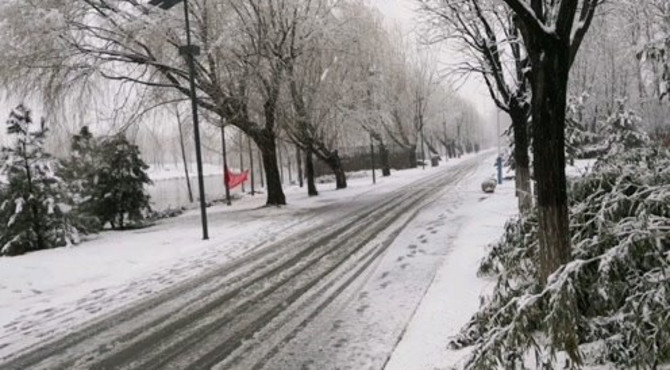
(239, 299)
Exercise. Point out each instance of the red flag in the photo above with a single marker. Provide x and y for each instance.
(235, 179)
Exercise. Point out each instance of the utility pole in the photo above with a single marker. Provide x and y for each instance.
(372, 160)
(423, 145)
(190, 51)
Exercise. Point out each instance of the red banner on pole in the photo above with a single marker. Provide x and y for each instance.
(235, 179)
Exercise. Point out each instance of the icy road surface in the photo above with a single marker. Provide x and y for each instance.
(335, 295)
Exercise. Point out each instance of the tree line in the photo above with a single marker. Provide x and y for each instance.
(319, 74)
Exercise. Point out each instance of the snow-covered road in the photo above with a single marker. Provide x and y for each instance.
(337, 293)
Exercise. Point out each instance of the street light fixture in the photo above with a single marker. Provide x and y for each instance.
(190, 51)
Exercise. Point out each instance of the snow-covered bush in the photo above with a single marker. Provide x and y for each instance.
(106, 177)
(582, 140)
(611, 303)
(624, 130)
(119, 196)
(80, 175)
(33, 201)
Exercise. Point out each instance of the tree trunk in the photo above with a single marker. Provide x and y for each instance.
(551, 65)
(431, 150)
(290, 173)
(309, 174)
(412, 156)
(261, 166)
(521, 158)
(28, 195)
(224, 158)
(298, 158)
(384, 159)
(251, 167)
(267, 146)
(281, 165)
(242, 163)
(335, 165)
(453, 152)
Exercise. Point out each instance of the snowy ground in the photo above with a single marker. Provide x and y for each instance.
(398, 312)
(360, 329)
(46, 293)
(454, 294)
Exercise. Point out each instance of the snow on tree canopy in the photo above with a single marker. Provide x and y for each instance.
(609, 305)
(36, 220)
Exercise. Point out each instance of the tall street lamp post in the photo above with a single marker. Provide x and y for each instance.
(190, 51)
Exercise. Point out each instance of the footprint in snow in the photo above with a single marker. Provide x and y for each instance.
(340, 343)
(307, 365)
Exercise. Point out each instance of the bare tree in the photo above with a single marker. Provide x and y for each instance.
(488, 37)
(316, 85)
(552, 32)
(238, 77)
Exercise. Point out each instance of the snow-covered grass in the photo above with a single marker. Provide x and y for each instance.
(453, 296)
(47, 292)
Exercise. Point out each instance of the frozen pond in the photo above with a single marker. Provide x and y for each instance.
(173, 193)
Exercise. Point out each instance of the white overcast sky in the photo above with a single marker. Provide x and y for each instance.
(402, 12)
(399, 12)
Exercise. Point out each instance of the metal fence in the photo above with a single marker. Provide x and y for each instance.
(358, 158)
